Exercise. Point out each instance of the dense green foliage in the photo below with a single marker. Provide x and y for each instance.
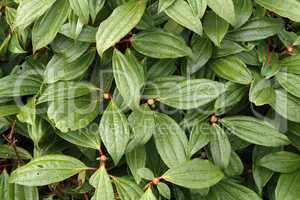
(150, 99)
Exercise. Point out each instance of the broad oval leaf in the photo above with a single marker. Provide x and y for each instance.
(59, 69)
(29, 10)
(169, 45)
(291, 64)
(129, 77)
(8, 152)
(255, 131)
(220, 147)
(136, 159)
(185, 94)
(288, 186)
(199, 137)
(243, 10)
(288, 9)
(114, 131)
(182, 13)
(81, 9)
(167, 136)
(55, 17)
(127, 190)
(102, 183)
(290, 82)
(224, 9)
(233, 69)
(46, 170)
(215, 28)
(125, 18)
(194, 174)
(282, 162)
(256, 29)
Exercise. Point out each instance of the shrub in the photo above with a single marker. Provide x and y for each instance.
(150, 99)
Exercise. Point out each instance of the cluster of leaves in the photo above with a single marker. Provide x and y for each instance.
(150, 99)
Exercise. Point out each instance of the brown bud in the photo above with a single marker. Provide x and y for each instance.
(155, 181)
(150, 102)
(213, 119)
(103, 158)
(106, 95)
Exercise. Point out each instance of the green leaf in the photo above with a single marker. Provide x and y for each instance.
(287, 106)
(119, 24)
(19, 85)
(8, 110)
(291, 64)
(94, 7)
(186, 94)
(87, 34)
(169, 45)
(102, 183)
(269, 69)
(243, 10)
(285, 9)
(81, 8)
(163, 4)
(229, 190)
(167, 136)
(59, 69)
(87, 137)
(55, 17)
(233, 69)
(114, 132)
(148, 195)
(66, 90)
(127, 189)
(136, 159)
(215, 28)
(5, 187)
(129, 77)
(142, 125)
(73, 114)
(255, 131)
(146, 173)
(220, 147)
(14, 45)
(164, 190)
(256, 29)
(288, 186)
(199, 137)
(182, 13)
(29, 10)
(235, 166)
(290, 82)
(28, 112)
(282, 162)
(8, 152)
(194, 174)
(202, 52)
(46, 170)
(224, 9)
(261, 91)
(198, 7)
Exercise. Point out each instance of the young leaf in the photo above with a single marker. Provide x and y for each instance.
(46, 170)
(182, 13)
(164, 190)
(125, 18)
(255, 131)
(146, 173)
(29, 10)
(163, 4)
(169, 45)
(235, 166)
(282, 162)
(114, 131)
(55, 17)
(199, 137)
(243, 10)
(129, 77)
(198, 7)
(233, 69)
(167, 136)
(148, 195)
(7, 110)
(102, 183)
(195, 174)
(224, 9)
(215, 28)
(290, 64)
